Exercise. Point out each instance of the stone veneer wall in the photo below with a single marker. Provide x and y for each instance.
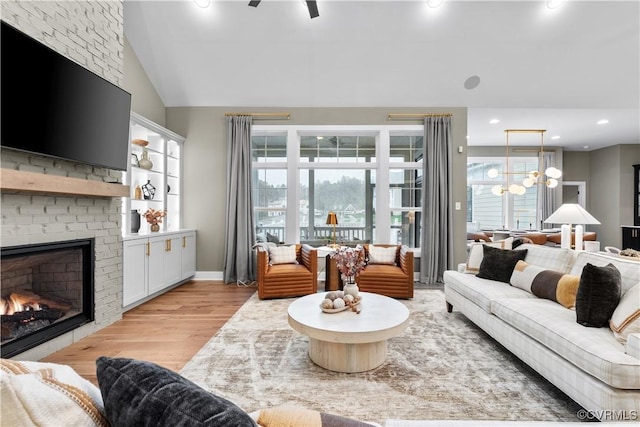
(92, 34)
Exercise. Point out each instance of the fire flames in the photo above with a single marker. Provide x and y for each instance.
(15, 303)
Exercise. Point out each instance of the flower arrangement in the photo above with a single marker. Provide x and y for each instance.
(350, 262)
(154, 217)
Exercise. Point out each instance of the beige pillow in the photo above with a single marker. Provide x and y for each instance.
(474, 258)
(36, 393)
(282, 255)
(626, 317)
(382, 255)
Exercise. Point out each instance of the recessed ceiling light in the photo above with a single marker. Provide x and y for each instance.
(435, 3)
(554, 4)
(555, 137)
(494, 121)
(586, 147)
(603, 122)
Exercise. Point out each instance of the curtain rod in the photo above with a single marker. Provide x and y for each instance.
(526, 130)
(400, 116)
(265, 116)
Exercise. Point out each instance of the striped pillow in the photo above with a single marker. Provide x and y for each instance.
(547, 284)
(626, 317)
(282, 255)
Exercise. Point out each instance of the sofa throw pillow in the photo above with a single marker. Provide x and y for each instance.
(282, 255)
(625, 319)
(598, 295)
(139, 393)
(498, 264)
(48, 394)
(291, 415)
(382, 255)
(474, 257)
(544, 283)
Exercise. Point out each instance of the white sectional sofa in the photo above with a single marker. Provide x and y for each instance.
(588, 364)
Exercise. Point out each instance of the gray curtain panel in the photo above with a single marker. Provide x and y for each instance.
(240, 234)
(437, 218)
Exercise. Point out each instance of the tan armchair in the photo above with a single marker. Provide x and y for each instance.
(288, 280)
(394, 281)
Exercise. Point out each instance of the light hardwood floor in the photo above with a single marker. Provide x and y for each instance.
(167, 330)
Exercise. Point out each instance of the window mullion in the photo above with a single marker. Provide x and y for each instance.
(292, 226)
(383, 213)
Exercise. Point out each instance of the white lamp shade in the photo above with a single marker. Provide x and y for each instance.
(571, 213)
(497, 190)
(492, 173)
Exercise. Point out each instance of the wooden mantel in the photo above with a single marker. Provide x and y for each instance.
(15, 181)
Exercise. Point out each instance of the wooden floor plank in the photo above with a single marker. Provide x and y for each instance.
(167, 330)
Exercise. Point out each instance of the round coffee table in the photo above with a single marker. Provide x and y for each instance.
(348, 341)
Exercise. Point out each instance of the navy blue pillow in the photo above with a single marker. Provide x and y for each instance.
(139, 393)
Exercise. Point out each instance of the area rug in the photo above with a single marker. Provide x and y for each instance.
(443, 367)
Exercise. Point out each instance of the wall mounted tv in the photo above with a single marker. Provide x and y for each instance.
(52, 106)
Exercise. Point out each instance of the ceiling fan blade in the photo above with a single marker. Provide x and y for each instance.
(312, 5)
(254, 3)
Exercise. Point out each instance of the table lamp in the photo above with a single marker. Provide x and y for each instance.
(332, 219)
(567, 214)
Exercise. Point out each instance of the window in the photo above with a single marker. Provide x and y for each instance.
(270, 201)
(487, 211)
(371, 176)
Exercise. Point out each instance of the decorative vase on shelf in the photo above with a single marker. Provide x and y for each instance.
(135, 221)
(155, 227)
(351, 288)
(145, 162)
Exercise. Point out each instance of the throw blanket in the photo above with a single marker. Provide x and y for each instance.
(36, 394)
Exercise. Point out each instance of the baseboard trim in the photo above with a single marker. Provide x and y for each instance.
(208, 275)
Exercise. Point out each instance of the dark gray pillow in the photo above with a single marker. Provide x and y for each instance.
(598, 295)
(139, 393)
(498, 264)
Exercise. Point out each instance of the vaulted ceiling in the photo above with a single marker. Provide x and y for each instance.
(560, 69)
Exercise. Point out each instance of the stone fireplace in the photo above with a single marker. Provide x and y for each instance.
(91, 33)
(47, 290)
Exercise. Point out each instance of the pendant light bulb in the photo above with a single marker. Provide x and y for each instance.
(492, 173)
(553, 172)
(497, 190)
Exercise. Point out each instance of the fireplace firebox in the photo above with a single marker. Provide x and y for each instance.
(46, 290)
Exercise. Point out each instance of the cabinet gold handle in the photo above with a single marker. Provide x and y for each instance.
(148, 248)
(184, 241)
(169, 245)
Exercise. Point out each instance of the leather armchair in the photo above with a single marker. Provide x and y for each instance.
(587, 237)
(288, 280)
(394, 281)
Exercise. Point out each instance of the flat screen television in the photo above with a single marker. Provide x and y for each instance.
(55, 107)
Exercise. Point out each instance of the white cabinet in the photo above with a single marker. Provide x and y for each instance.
(154, 175)
(152, 264)
(135, 268)
(188, 254)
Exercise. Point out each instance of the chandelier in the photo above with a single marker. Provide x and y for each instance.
(549, 177)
